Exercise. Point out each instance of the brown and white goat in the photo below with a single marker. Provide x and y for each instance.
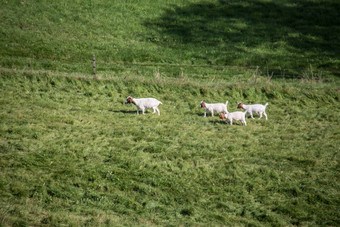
(214, 107)
(254, 108)
(237, 116)
(144, 103)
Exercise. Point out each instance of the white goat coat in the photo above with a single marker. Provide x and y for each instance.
(215, 107)
(147, 103)
(257, 109)
(237, 116)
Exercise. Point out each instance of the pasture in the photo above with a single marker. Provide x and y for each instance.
(72, 153)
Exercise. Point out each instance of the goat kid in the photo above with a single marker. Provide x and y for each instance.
(237, 116)
(144, 103)
(214, 107)
(254, 108)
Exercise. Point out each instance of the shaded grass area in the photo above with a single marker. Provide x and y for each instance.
(72, 153)
(287, 37)
(254, 32)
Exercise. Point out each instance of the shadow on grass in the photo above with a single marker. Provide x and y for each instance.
(132, 112)
(217, 122)
(124, 111)
(253, 32)
(225, 123)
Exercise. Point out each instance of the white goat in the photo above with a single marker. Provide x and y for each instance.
(237, 116)
(144, 103)
(214, 107)
(255, 108)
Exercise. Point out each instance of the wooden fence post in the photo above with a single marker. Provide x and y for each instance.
(257, 69)
(94, 66)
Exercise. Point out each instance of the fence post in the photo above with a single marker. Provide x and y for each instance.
(257, 69)
(94, 66)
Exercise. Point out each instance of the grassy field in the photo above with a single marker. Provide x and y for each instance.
(63, 35)
(72, 153)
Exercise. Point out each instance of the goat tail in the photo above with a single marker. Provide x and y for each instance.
(265, 105)
(226, 102)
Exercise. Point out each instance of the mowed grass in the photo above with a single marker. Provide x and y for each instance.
(72, 153)
(291, 38)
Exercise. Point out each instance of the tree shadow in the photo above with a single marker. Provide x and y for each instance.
(285, 33)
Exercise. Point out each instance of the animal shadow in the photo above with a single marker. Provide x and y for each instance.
(216, 122)
(123, 111)
(224, 122)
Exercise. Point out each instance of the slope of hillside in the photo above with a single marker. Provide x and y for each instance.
(287, 37)
(72, 153)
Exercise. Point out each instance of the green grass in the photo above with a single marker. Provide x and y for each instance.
(72, 153)
(283, 37)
